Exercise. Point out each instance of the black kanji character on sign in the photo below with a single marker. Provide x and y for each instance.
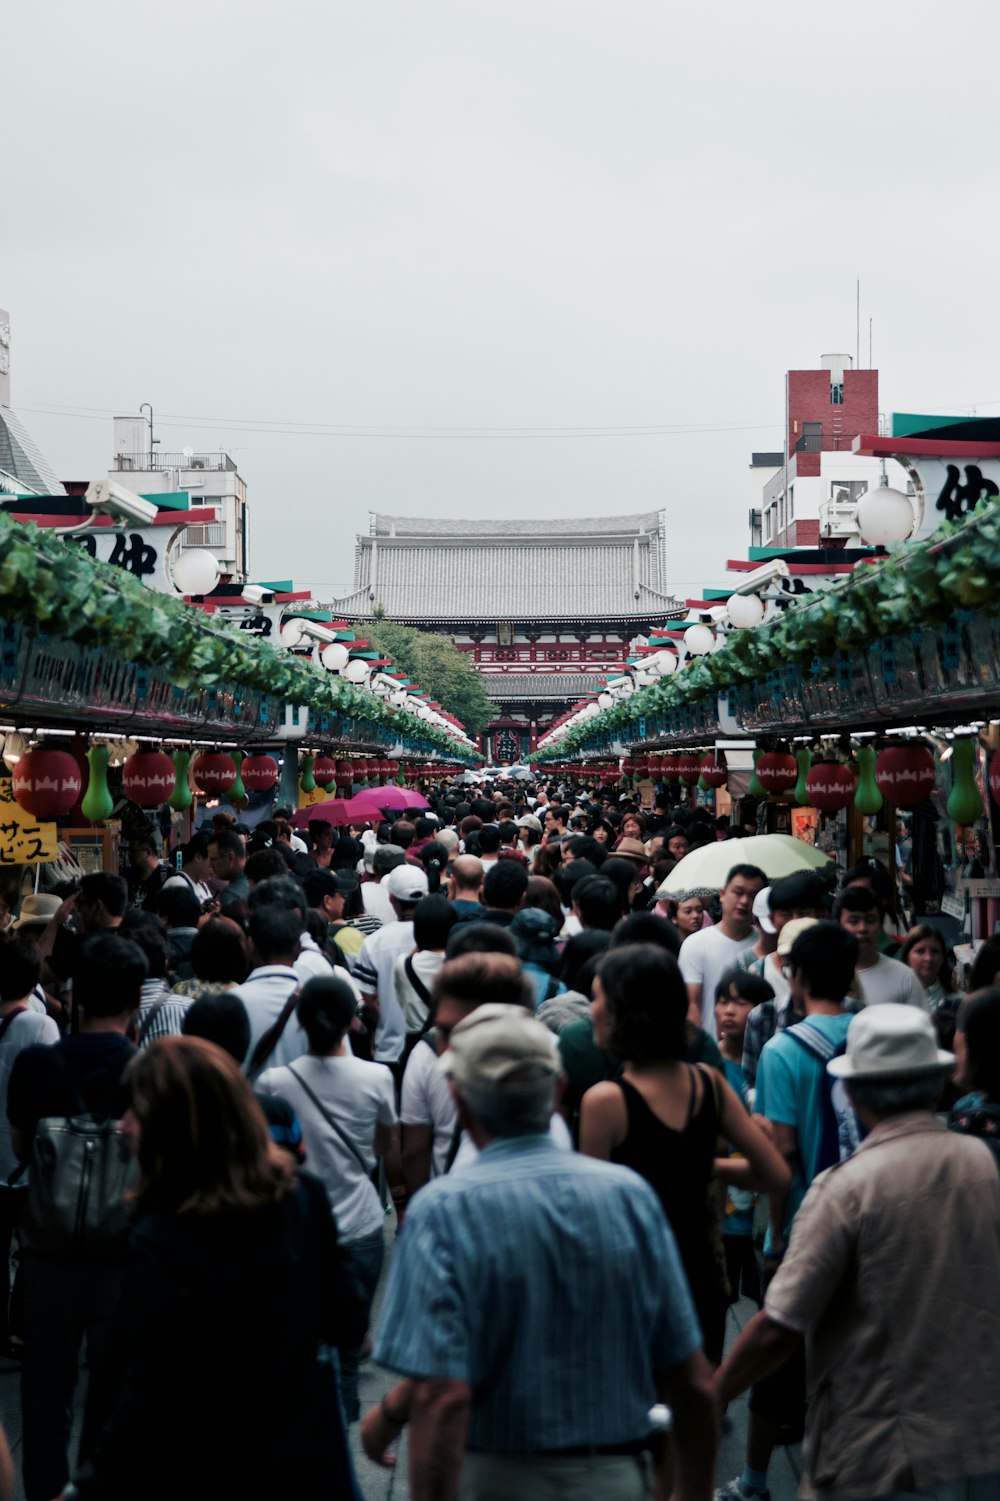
(957, 500)
(135, 555)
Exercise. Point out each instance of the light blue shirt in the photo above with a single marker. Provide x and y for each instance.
(552, 1284)
(790, 1085)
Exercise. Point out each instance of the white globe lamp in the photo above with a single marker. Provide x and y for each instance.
(606, 700)
(699, 640)
(334, 657)
(884, 516)
(292, 634)
(195, 571)
(745, 610)
(356, 671)
(666, 663)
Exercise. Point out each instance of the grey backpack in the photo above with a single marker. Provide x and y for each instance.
(82, 1171)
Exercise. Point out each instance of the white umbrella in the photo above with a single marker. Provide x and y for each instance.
(704, 871)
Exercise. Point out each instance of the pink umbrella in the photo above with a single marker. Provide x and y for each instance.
(388, 797)
(415, 799)
(344, 811)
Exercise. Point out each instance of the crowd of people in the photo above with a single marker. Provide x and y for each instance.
(597, 1107)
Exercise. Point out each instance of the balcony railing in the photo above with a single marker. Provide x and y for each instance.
(151, 463)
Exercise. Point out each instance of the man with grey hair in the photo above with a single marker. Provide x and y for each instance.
(532, 1263)
(379, 860)
(892, 1277)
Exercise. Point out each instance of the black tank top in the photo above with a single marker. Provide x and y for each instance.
(678, 1167)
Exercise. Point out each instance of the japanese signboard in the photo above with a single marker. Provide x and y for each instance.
(23, 839)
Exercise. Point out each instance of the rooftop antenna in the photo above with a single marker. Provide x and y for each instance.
(870, 365)
(146, 406)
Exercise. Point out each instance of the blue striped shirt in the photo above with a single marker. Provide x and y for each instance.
(548, 1281)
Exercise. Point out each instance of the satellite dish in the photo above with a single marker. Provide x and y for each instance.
(187, 452)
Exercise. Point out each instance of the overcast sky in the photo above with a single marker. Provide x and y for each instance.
(413, 214)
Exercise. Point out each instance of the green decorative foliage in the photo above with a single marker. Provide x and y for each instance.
(438, 666)
(965, 801)
(804, 761)
(919, 585)
(867, 798)
(182, 796)
(51, 582)
(98, 804)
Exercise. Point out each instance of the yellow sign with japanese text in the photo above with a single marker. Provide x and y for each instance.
(23, 839)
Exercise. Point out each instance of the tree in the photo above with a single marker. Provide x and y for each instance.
(438, 666)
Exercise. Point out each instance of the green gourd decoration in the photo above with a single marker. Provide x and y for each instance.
(965, 801)
(756, 788)
(703, 785)
(308, 780)
(182, 796)
(98, 804)
(237, 791)
(867, 798)
(804, 761)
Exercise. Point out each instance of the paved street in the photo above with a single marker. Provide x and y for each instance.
(386, 1485)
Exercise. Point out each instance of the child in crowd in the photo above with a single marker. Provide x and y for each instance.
(735, 997)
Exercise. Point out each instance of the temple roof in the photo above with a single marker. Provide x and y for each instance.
(587, 568)
(517, 527)
(505, 687)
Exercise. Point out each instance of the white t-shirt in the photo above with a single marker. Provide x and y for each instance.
(426, 963)
(360, 1097)
(24, 1031)
(427, 1101)
(705, 957)
(890, 980)
(373, 970)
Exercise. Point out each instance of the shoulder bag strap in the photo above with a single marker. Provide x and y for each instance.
(453, 1146)
(151, 1016)
(272, 1036)
(337, 1129)
(11, 1016)
(415, 980)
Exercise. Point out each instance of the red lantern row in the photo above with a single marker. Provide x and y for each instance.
(905, 774)
(148, 778)
(47, 783)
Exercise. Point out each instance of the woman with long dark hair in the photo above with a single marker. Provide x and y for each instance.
(235, 1289)
(664, 1117)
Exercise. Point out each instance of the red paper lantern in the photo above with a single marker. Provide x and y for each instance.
(628, 766)
(47, 783)
(148, 778)
(324, 771)
(641, 765)
(344, 775)
(777, 771)
(656, 767)
(829, 786)
(688, 769)
(713, 772)
(259, 773)
(905, 774)
(213, 772)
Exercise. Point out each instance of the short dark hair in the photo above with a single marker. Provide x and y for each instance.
(197, 846)
(648, 1002)
(986, 965)
(508, 832)
(145, 842)
(980, 1021)
(148, 931)
(263, 864)
(753, 989)
(220, 1017)
(433, 919)
(578, 952)
(108, 976)
(505, 884)
(278, 891)
(479, 938)
(857, 899)
(584, 847)
(275, 932)
(228, 842)
(326, 1008)
(873, 871)
(489, 839)
(565, 877)
(598, 902)
(479, 977)
(745, 873)
(802, 889)
(559, 813)
(20, 968)
(103, 886)
(178, 905)
(402, 833)
(646, 927)
(219, 954)
(826, 956)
